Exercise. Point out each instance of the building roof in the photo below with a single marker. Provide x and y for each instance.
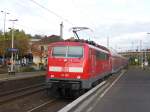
(36, 50)
(50, 39)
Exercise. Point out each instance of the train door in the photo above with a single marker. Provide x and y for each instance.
(110, 62)
(93, 62)
(113, 61)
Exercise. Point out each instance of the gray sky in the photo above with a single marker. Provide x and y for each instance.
(125, 22)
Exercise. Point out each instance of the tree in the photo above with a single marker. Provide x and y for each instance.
(1, 43)
(21, 42)
(37, 36)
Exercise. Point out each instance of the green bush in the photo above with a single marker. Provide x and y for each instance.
(27, 69)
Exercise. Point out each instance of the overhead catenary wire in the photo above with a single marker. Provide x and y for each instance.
(45, 9)
(55, 14)
(22, 19)
(21, 4)
(36, 30)
(93, 37)
(52, 12)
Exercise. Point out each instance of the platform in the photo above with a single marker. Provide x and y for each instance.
(21, 75)
(131, 93)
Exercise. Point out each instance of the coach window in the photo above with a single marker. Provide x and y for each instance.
(97, 55)
(101, 55)
(107, 56)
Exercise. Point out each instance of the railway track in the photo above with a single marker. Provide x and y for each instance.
(52, 105)
(34, 99)
(15, 94)
(42, 105)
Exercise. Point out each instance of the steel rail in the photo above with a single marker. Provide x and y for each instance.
(42, 105)
(12, 95)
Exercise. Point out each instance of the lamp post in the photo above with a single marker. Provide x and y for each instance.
(12, 46)
(147, 53)
(5, 13)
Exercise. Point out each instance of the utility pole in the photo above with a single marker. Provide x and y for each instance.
(108, 41)
(12, 47)
(141, 52)
(5, 13)
(61, 30)
(132, 46)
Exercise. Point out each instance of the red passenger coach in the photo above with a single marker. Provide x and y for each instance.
(78, 65)
(118, 61)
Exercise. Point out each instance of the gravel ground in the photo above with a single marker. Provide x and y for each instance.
(26, 103)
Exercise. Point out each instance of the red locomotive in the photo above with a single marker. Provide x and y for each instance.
(79, 65)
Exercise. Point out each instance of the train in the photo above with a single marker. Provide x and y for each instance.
(76, 65)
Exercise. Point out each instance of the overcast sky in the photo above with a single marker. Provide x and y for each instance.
(125, 22)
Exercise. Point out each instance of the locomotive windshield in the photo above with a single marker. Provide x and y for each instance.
(59, 52)
(68, 51)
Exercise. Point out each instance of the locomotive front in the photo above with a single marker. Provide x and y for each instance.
(66, 66)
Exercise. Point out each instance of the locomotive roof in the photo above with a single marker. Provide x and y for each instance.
(95, 46)
(99, 48)
(67, 43)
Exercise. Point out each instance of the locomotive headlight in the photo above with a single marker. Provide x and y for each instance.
(52, 76)
(78, 77)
